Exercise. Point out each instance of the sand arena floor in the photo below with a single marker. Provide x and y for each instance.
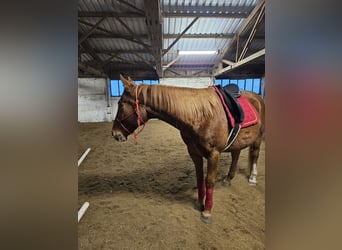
(142, 196)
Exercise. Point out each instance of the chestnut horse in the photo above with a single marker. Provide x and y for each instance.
(201, 119)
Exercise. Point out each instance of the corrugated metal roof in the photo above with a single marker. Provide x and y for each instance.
(197, 44)
(218, 31)
(171, 5)
(107, 5)
(209, 32)
(137, 26)
(85, 57)
(201, 26)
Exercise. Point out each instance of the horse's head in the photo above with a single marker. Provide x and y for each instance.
(130, 114)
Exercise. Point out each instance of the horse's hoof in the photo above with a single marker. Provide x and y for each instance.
(199, 207)
(252, 182)
(226, 182)
(206, 217)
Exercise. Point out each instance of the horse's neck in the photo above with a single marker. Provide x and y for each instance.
(165, 109)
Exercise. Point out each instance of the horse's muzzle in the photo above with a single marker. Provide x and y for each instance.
(118, 136)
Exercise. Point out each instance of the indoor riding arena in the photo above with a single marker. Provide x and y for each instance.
(155, 100)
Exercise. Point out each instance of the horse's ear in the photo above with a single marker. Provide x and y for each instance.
(128, 83)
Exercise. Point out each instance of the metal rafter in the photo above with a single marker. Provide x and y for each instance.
(154, 27)
(90, 24)
(85, 47)
(252, 33)
(84, 36)
(131, 6)
(165, 67)
(110, 14)
(235, 40)
(143, 60)
(109, 60)
(91, 70)
(119, 51)
(180, 36)
(129, 37)
(241, 62)
(152, 42)
(146, 46)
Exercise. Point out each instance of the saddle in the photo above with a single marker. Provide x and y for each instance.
(229, 95)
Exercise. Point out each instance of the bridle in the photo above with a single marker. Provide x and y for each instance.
(140, 121)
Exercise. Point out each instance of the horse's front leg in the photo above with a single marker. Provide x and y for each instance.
(198, 161)
(213, 160)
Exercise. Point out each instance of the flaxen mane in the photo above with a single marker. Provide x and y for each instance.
(188, 103)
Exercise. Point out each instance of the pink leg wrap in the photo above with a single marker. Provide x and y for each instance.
(209, 199)
(201, 190)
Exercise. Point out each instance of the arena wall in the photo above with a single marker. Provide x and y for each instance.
(93, 103)
(96, 105)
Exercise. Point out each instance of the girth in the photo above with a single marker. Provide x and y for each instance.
(229, 95)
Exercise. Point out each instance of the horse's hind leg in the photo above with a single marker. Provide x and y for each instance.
(232, 170)
(254, 150)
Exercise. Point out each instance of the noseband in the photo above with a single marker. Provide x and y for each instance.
(140, 121)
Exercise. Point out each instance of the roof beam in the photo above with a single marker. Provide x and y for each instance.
(170, 63)
(180, 36)
(252, 33)
(132, 33)
(154, 27)
(227, 62)
(121, 51)
(174, 72)
(247, 22)
(166, 36)
(110, 14)
(84, 36)
(132, 38)
(242, 29)
(88, 49)
(89, 69)
(90, 24)
(240, 63)
(131, 6)
(109, 60)
(143, 60)
(120, 36)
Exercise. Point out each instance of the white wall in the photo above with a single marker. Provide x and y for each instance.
(198, 82)
(93, 105)
(262, 87)
(92, 101)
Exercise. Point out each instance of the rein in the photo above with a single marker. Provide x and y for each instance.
(139, 120)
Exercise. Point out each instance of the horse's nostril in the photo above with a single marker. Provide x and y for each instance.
(119, 137)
